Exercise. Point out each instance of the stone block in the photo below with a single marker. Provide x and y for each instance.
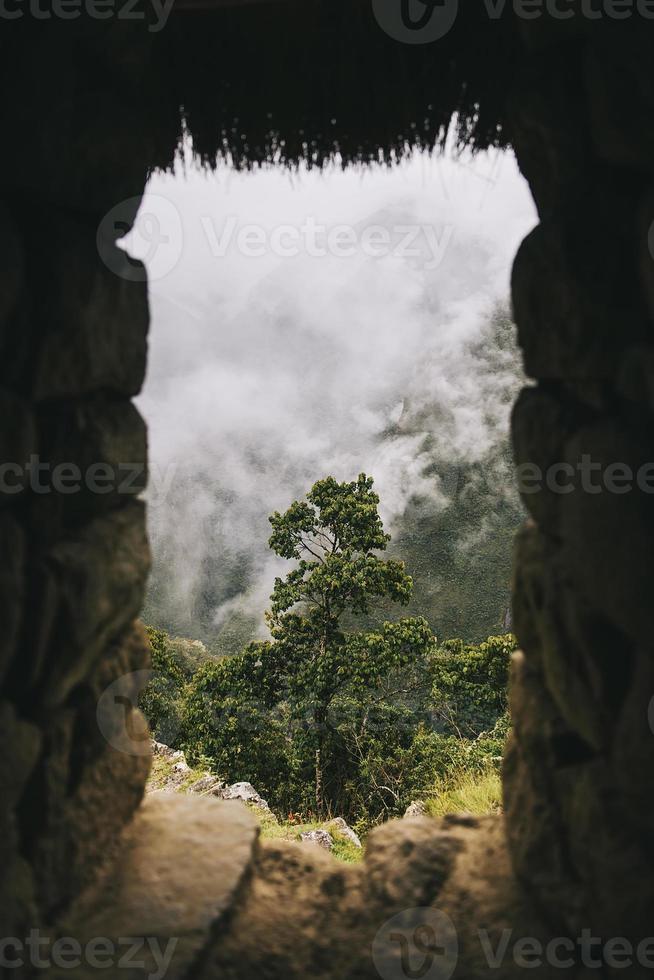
(536, 832)
(90, 127)
(96, 456)
(528, 589)
(12, 588)
(541, 423)
(60, 821)
(305, 914)
(86, 789)
(635, 380)
(182, 864)
(583, 660)
(22, 742)
(12, 263)
(18, 441)
(620, 89)
(608, 524)
(578, 330)
(548, 131)
(632, 749)
(606, 850)
(96, 582)
(408, 862)
(91, 315)
(645, 233)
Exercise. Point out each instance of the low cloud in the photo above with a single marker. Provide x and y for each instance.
(269, 371)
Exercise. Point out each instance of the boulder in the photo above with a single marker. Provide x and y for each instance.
(416, 809)
(343, 830)
(319, 838)
(158, 748)
(175, 778)
(178, 771)
(207, 786)
(182, 866)
(245, 792)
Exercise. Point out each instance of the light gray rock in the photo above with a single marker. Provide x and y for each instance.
(158, 748)
(318, 838)
(173, 784)
(416, 809)
(245, 792)
(207, 786)
(344, 830)
(178, 771)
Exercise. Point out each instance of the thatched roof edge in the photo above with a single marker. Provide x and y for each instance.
(312, 80)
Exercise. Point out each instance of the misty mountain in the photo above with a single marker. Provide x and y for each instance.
(269, 371)
(455, 533)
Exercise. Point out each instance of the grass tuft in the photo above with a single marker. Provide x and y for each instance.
(479, 794)
(344, 849)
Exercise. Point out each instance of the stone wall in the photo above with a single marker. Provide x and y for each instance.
(73, 337)
(578, 778)
(73, 325)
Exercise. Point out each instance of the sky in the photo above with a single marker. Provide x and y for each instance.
(297, 319)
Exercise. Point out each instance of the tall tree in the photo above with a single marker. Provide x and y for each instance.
(336, 538)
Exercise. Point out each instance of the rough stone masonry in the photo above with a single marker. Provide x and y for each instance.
(81, 856)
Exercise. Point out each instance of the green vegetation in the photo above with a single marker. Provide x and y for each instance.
(333, 716)
(161, 775)
(470, 792)
(461, 791)
(317, 666)
(291, 830)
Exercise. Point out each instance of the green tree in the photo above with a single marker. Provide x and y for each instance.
(338, 711)
(336, 538)
(469, 684)
(160, 701)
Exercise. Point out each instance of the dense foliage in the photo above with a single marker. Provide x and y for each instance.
(330, 716)
(161, 699)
